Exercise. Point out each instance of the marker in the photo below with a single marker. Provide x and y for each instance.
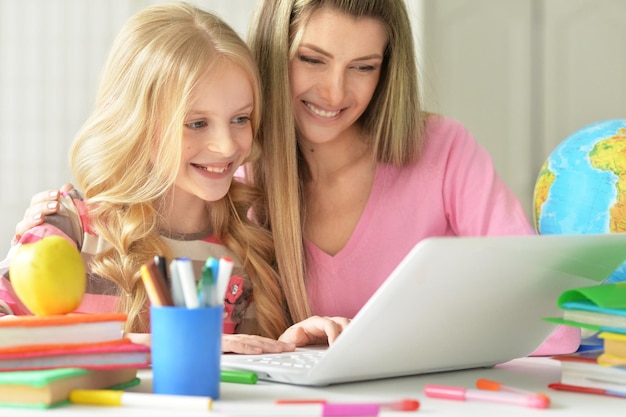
(187, 282)
(239, 377)
(122, 399)
(151, 290)
(295, 401)
(207, 286)
(243, 408)
(175, 287)
(223, 277)
(157, 290)
(407, 404)
(161, 264)
(402, 405)
(465, 394)
(490, 385)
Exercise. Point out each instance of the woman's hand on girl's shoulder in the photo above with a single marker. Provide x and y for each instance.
(254, 345)
(315, 330)
(140, 338)
(41, 204)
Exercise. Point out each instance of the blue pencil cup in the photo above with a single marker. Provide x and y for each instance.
(186, 350)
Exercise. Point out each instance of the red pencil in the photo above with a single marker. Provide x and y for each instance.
(586, 390)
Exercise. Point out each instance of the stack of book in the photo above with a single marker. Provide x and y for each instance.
(600, 309)
(614, 349)
(43, 358)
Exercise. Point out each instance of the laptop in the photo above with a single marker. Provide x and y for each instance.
(452, 303)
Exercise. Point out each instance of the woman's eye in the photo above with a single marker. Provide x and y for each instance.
(309, 60)
(199, 124)
(365, 68)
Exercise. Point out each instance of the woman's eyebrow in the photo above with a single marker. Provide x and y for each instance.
(328, 54)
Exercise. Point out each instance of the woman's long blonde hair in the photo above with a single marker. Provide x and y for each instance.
(392, 123)
(145, 90)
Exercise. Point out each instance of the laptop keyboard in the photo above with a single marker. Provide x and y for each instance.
(303, 359)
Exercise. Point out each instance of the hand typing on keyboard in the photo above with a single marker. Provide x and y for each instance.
(254, 345)
(315, 330)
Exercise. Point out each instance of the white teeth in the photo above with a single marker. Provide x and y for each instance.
(322, 113)
(212, 169)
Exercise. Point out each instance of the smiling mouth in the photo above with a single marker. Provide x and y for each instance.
(320, 112)
(211, 169)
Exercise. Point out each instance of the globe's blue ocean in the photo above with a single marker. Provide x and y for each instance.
(580, 197)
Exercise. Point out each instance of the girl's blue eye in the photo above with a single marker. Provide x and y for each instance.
(241, 120)
(199, 124)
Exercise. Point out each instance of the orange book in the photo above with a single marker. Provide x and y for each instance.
(60, 329)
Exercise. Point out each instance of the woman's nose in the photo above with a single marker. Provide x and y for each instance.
(333, 87)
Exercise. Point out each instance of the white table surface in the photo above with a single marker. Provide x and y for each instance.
(532, 374)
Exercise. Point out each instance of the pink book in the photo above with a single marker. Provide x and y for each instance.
(117, 354)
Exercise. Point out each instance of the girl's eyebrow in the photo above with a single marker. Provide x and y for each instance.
(329, 55)
(200, 112)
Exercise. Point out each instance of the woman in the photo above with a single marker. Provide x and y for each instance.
(354, 171)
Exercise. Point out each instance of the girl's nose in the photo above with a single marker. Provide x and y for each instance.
(222, 141)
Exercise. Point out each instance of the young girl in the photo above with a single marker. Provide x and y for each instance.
(176, 112)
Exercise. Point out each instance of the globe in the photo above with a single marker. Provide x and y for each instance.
(581, 187)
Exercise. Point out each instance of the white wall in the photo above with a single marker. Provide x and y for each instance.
(523, 75)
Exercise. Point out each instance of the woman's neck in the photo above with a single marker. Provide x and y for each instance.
(330, 160)
(335, 195)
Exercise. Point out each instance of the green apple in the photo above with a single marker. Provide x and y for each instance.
(48, 276)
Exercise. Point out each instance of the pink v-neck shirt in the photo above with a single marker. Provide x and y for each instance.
(452, 190)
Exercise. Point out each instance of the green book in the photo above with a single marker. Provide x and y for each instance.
(51, 387)
(598, 307)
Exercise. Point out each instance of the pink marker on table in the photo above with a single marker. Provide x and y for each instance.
(307, 408)
(465, 394)
(490, 385)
